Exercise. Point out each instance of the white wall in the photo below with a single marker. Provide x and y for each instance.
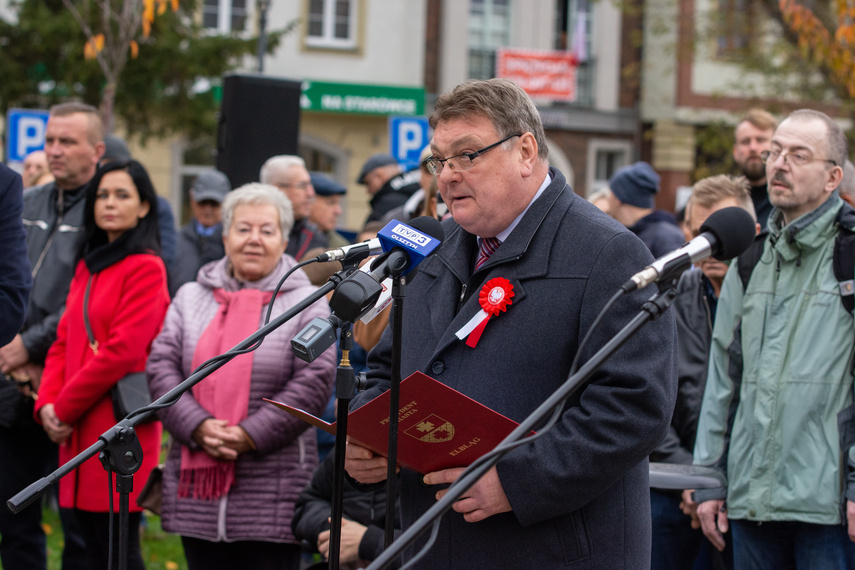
(606, 49)
(390, 46)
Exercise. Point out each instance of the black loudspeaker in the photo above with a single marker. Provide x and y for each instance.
(259, 118)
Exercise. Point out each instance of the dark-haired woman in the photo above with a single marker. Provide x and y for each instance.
(127, 301)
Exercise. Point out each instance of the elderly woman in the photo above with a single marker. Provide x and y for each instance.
(119, 294)
(238, 465)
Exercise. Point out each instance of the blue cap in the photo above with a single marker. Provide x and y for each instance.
(635, 184)
(211, 185)
(326, 186)
(375, 161)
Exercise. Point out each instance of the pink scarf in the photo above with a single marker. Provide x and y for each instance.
(225, 393)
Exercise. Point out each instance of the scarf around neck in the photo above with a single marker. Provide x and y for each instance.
(225, 393)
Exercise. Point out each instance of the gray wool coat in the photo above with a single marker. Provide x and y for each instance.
(260, 504)
(579, 494)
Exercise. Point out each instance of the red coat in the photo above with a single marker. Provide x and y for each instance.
(127, 304)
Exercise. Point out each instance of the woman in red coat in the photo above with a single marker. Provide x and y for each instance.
(127, 302)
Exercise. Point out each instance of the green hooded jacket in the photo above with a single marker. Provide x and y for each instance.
(772, 421)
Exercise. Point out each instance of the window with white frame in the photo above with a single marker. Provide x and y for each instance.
(224, 16)
(574, 25)
(331, 24)
(489, 30)
(605, 156)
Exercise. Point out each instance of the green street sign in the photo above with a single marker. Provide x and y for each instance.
(362, 99)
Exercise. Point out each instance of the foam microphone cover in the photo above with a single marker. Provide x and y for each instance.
(734, 228)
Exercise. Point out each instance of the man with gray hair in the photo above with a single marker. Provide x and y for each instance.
(777, 414)
(577, 495)
(847, 187)
(288, 173)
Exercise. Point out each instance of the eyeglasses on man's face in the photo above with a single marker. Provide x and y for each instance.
(297, 185)
(463, 161)
(791, 158)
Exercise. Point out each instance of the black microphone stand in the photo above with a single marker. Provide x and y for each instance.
(651, 310)
(396, 262)
(398, 294)
(345, 390)
(119, 448)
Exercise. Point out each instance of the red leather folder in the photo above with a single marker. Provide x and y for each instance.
(438, 427)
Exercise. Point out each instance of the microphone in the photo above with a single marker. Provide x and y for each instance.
(413, 243)
(405, 247)
(355, 251)
(726, 233)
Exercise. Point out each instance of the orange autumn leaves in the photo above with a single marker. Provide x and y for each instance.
(836, 52)
(151, 9)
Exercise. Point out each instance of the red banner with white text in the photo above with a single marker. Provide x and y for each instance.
(542, 74)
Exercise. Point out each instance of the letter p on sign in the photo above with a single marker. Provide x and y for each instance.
(407, 137)
(25, 132)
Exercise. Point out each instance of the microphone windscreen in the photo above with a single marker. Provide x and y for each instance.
(733, 228)
(428, 225)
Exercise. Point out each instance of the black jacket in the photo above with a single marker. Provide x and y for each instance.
(53, 219)
(15, 280)
(579, 493)
(304, 237)
(191, 253)
(394, 193)
(314, 506)
(695, 314)
(659, 232)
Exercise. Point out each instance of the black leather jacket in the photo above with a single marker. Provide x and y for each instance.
(53, 219)
(694, 327)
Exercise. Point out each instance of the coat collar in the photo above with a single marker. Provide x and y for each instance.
(456, 255)
(806, 233)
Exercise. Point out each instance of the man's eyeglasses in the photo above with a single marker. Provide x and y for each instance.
(792, 158)
(460, 162)
(297, 185)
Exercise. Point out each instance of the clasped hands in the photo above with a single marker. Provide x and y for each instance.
(222, 441)
(57, 430)
(482, 500)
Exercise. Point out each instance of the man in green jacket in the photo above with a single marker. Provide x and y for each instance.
(781, 371)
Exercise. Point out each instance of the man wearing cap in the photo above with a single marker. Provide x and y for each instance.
(386, 184)
(631, 203)
(327, 208)
(201, 239)
(288, 173)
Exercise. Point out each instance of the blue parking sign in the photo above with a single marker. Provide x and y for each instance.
(25, 132)
(407, 137)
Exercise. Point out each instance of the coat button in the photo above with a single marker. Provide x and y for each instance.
(437, 367)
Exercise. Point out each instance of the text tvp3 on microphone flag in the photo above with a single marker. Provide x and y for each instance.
(418, 244)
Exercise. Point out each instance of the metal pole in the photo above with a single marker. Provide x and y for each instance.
(262, 5)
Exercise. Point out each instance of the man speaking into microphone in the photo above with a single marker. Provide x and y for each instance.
(579, 494)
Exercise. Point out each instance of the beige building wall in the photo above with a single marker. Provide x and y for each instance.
(157, 158)
(357, 137)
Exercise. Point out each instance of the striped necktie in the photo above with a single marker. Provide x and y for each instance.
(487, 248)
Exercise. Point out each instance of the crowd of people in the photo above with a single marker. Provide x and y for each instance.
(749, 374)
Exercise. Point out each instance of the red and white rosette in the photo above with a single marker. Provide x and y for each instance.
(495, 297)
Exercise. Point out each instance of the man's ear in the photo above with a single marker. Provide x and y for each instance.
(528, 153)
(835, 177)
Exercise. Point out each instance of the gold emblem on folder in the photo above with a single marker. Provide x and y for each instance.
(432, 429)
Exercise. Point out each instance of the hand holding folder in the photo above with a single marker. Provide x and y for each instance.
(439, 428)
